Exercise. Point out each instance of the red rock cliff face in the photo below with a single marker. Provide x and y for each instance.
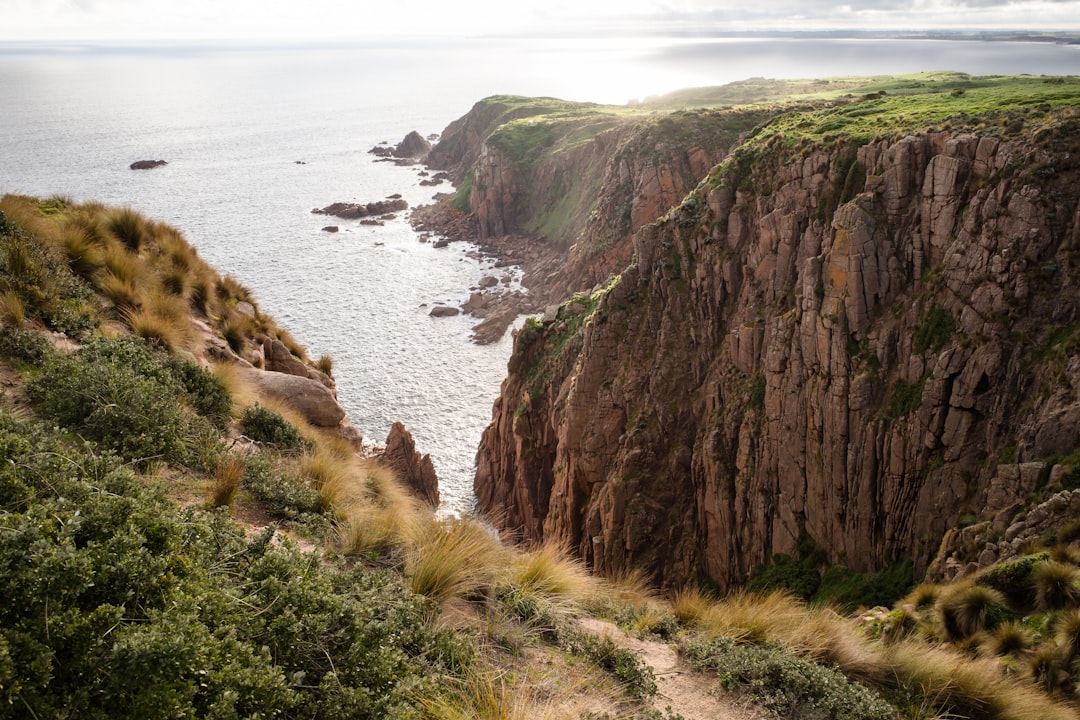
(849, 345)
(585, 196)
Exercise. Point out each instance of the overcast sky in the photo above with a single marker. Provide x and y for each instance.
(146, 20)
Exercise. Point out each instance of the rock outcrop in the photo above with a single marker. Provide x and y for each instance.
(414, 146)
(416, 471)
(309, 397)
(353, 211)
(835, 343)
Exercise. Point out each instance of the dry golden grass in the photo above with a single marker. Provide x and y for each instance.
(85, 255)
(690, 605)
(962, 686)
(129, 227)
(12, 310)
(325, 364)
(170, 333)
(25, 212)
(228, 475)
(549, 570)
(452, 559)
(123, 264)
(491, 695)
(229, 289)
(337, 479)
(123, 294)
(236, 382)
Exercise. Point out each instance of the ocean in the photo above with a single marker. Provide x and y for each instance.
(257, 136)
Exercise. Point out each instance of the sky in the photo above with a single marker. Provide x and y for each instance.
(259, 20)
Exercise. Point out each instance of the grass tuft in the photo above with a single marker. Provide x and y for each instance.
(550, 570)
(228, 475)
(1057, 585)
(970, 609)
(130, 228)
(452, 559)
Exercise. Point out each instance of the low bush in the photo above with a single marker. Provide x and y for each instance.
(621, 663)
(264, 425)
(282, 495)
(129, 607)
(788, 685)
(130, 399)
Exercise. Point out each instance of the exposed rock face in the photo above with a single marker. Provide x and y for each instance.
(413, 146)
(583, 199)
(797, 353)
(415, 471)
(310, 398)
(147, 164)
(278, 358)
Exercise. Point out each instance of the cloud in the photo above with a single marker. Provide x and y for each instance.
(317, 19)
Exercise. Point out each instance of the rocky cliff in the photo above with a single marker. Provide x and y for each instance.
(859, 331)
(578, 177)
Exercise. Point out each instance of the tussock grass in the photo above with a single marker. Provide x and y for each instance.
(240, 389)
(12, 309)
(228, 475)
(1067, 635)
(549, 570)
(202, 296)
(129, 227)
(1057, 585)
(325, 364)
(122, 293)
(167, 332)
(690, 605)
(962, 686)
(237, 329)
(969, 609)
(123, 264)
(456, 558)
(922, 597)
(1009, 638)
(231, 290)
(337, 480)
(85, 253)
(489, 696)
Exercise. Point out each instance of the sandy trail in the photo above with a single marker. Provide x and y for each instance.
(693, 695)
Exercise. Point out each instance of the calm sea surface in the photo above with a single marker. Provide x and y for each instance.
(231, 122)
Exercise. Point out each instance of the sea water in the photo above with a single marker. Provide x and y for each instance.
(256, 137)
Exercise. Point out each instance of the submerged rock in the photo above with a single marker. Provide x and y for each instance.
(147, 164)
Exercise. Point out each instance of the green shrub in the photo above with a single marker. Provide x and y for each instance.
(29, 346)
(787, 685)
(1013, 580)
(262, 424)
(282, 495)
(936, 330)
(799, 577)
(129, 607)
(848, 590)
(127, 397)
(623, 664)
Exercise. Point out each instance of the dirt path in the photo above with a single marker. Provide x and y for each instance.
(686, 692)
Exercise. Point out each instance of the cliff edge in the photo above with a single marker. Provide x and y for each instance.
(858, 333)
